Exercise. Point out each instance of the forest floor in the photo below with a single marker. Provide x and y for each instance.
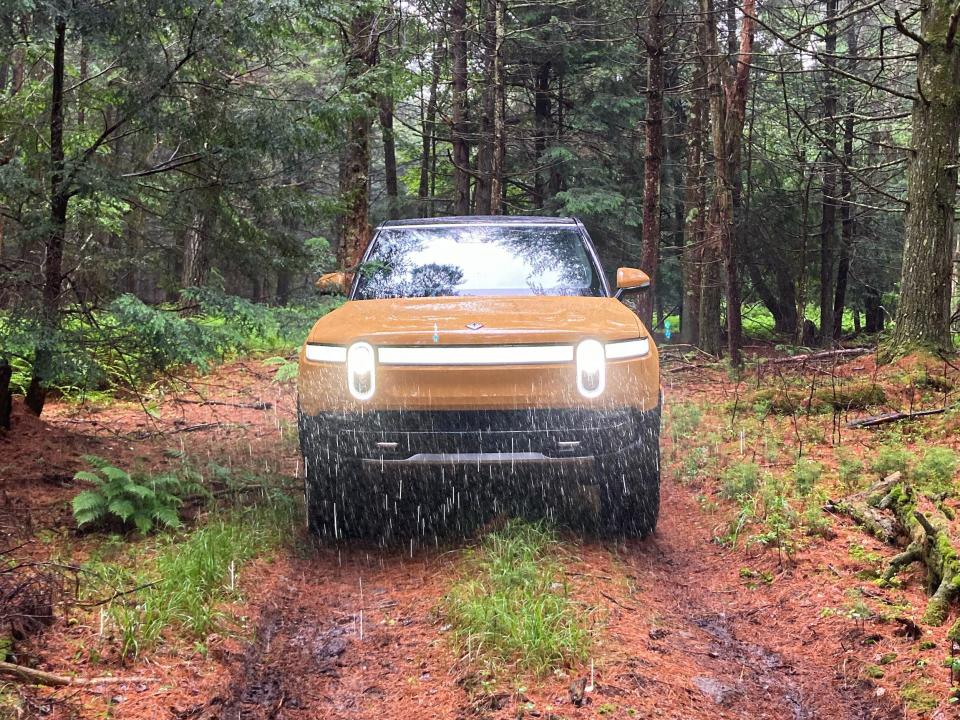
(732, 609)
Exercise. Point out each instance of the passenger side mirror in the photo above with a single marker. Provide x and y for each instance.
(334, 282)
(631, 279)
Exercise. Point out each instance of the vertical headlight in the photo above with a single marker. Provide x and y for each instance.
(591, 368)
(361, 371)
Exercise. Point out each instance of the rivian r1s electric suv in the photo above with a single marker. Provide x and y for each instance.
(480, 365)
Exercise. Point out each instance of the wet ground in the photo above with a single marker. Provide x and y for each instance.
(354, 632)
(681, 638)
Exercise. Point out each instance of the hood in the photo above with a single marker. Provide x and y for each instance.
(535, 319)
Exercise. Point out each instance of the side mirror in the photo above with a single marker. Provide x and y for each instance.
(334, 282)
(631, 279)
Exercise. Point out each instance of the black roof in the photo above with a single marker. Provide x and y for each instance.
(483, 220)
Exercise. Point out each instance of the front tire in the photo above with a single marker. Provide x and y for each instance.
(630, 500)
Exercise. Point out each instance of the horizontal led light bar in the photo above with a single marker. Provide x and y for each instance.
(326, 353)
(476, 355)
(479, 355)
(627, 349)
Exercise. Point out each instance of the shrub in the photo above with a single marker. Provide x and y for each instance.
(890, 460)
(849, 469)
(740, 479)
(684, 420)
(806, 473)
(141, 501)
(936, 469)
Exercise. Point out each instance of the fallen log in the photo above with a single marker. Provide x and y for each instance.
(864, 508)
(259, 405)
(31, 676)
(875, 420)
(888, 510)
(822, 355)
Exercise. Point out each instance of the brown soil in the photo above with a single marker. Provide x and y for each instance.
(682, 630)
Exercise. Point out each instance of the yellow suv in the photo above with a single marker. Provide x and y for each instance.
(480, 365)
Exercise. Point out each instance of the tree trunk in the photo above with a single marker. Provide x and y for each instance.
(283, 286)
(353, 222)
(483, 189)
(695, 201)
(196, 260)
(828, 216)
(653, 158)
(847, 219)
(923, 317)
(389, 156)
(59, 203)
(461, 150)
(497, 186)
(873, 310)
(541, 124)
(728, 98)
(429, 134)
(782, 304)
(6, 401)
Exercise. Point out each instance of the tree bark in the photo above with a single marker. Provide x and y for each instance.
(389, 156)
(695, 200)
(461, 150)
(541, 123)
(6, 401)
(497, 186)
(196, 258)
(59, 204)
(828, 216)
(429, 134)
(653, 158)
(873, 310)
(728, 98)
(353, 222)
(483, 190)
(923, 316)
(847, 218)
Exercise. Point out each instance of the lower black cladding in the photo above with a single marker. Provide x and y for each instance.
(553, 434)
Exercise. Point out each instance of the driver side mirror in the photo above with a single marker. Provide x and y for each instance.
(334, 282)
(631, 279)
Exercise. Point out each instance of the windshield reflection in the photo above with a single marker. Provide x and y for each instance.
(477, 260)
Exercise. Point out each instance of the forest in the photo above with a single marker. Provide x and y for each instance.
(175, 176)
(789, 168)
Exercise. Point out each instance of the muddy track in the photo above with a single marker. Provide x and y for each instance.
(686, 642)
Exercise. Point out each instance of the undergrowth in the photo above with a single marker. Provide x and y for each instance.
(128, 344)
(512, 606)
(176, 582)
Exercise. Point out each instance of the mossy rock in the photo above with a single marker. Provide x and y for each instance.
(851, 396)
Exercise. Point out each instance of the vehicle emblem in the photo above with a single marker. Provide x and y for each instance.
(474, 326)
(436, 333)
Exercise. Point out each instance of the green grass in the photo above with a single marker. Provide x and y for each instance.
(513, 607)
(186, 577)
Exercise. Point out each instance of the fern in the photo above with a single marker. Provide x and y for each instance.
(139, 501)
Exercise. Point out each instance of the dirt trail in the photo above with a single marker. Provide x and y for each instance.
(682, 639)
(684, 628)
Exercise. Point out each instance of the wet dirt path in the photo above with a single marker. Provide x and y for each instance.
(354, 634)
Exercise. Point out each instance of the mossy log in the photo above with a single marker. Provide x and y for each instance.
(888, 510)
(867, 509)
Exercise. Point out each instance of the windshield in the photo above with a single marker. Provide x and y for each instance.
(478, 260)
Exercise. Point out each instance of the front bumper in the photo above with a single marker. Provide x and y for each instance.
(553, 437)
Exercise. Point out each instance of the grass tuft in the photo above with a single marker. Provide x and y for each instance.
(183, 584)
(513, 606)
